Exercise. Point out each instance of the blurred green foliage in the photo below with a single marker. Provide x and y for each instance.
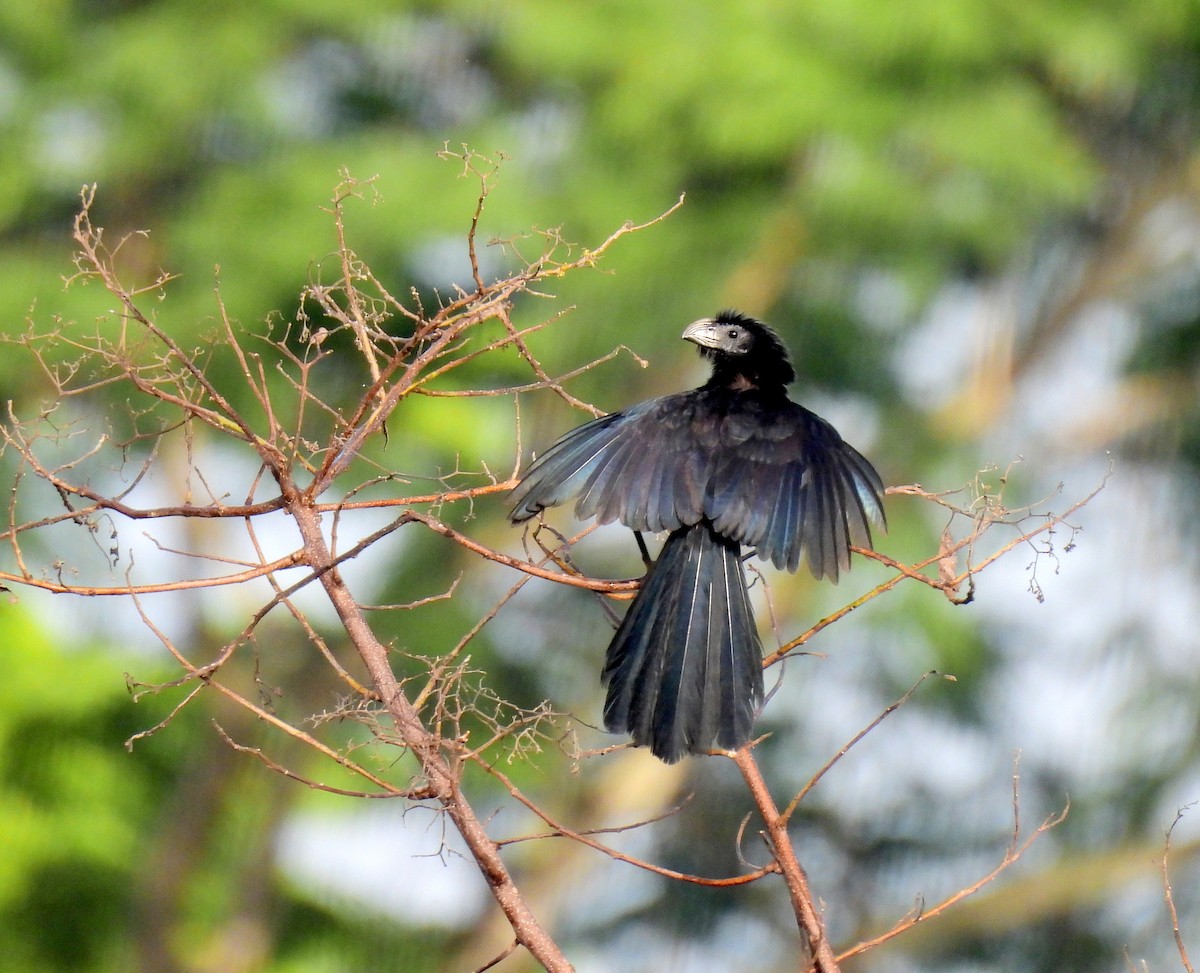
(821, 145)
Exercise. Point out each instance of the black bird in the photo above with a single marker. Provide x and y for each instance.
(732, 463)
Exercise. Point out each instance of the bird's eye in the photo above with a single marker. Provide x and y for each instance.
(734, 333)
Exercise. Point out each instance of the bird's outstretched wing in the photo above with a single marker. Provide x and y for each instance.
(765, 471)
(643, 467)
(787, 484)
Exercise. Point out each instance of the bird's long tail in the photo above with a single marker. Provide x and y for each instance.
(685, 667)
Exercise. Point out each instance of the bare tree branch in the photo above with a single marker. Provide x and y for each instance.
(1170, 896)
(420, 716)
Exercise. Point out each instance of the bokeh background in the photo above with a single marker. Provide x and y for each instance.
(977, 224)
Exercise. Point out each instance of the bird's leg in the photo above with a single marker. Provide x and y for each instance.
(641, 543)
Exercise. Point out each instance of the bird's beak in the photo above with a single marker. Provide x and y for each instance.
(704, 333)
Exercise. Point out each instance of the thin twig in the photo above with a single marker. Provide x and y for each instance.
(584, 838)
(846, 747)
(1170, 896)
(1012, 853)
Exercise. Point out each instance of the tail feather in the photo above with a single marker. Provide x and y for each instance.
(685, 666)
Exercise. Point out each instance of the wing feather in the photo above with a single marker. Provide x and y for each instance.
(765, 471)
(791, 488)
(645, 466)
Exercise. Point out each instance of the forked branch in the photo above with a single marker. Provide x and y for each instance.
(285, 403)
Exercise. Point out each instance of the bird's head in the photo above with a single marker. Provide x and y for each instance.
(745, 353)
